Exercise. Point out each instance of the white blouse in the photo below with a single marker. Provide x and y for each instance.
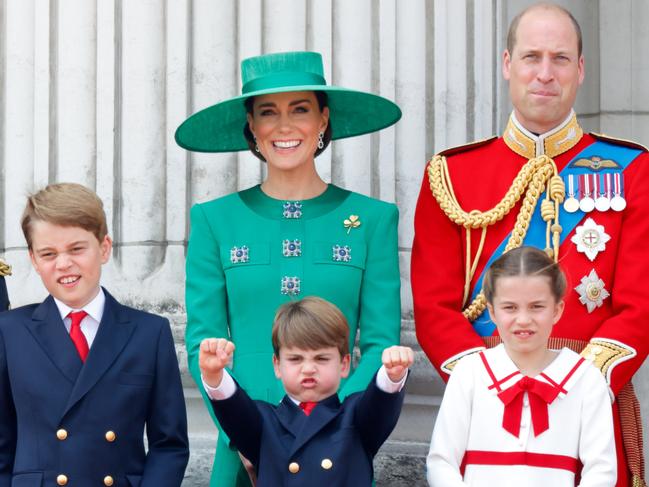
(471, 447)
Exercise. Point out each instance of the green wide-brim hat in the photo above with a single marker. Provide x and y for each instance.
(219, 128)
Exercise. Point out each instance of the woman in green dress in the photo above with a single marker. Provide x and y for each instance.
(292, 236)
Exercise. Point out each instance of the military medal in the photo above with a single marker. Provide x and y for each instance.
(618, 203)
(587, 203)
(590, 238)
(591, 291)
(603, 201)
(571, 204)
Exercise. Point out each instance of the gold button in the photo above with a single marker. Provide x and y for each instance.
(326, 464)
(110, 436)
(61, 480)
(108, 480)
(294, 467)
(61, 434)
(596, 350)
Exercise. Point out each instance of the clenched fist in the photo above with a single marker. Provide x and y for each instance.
(396, 360)
(214, 355)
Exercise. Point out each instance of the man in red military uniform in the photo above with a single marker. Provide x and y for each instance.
(582, 197)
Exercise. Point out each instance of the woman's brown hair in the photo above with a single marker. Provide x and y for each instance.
(524, 261)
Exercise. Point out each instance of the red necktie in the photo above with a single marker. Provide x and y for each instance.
(540, 395)
(307, 406)
(77, 336)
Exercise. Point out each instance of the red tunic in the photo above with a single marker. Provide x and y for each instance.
(481, 175)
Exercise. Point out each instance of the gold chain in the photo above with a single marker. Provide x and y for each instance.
(537, 175)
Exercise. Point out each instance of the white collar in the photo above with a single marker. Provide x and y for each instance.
(95, 308)
(565, 369)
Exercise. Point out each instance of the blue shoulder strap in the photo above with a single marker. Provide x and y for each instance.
(621, 158)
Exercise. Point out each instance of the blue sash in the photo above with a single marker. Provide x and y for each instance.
(535, 236)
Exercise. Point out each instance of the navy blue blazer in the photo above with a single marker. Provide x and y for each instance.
(4, 295)
(60, 416)
(333, 446)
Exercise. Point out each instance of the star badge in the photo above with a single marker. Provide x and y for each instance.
(590, 238)
(591, 291)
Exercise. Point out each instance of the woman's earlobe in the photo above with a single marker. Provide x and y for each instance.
(325, 114)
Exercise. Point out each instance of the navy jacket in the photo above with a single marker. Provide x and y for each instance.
(4, 295)
(59, 416)
(334, 446)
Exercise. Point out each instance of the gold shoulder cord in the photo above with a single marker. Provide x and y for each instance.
(535, 176)
(5, 269)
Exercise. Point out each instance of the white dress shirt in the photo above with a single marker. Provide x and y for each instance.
(90, 323)
(228, 387)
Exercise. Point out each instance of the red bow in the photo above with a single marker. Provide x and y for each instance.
(540, 395)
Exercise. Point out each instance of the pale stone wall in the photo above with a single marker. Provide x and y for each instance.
(91, 91)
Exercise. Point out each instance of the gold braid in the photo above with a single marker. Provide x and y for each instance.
(537, 175)
(5, 269)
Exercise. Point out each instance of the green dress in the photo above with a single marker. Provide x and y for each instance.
(249, 253)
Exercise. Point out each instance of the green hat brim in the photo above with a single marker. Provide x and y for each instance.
(219, 128)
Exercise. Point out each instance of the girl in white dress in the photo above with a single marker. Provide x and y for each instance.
(521, 414)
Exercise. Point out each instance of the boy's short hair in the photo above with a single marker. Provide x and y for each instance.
(310, 323)
(67, 205)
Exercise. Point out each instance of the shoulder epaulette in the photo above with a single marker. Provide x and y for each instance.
(623, 142)
(466, 147)
(5, 269)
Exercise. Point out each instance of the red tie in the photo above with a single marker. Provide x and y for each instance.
(77, 336)
(540, 395)
(307, 406)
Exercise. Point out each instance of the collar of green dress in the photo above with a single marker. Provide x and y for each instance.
(255, 199)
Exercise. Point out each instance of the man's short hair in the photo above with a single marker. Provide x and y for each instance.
(513, 27)
(67, 205)
(310, 323)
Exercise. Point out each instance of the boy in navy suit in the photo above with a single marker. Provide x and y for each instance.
(310, 438)
(82, 376)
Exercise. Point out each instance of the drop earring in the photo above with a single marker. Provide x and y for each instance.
(256, 146)
(321, 140)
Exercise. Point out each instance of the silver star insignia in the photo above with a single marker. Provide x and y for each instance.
(590, 238)
(591, 291)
